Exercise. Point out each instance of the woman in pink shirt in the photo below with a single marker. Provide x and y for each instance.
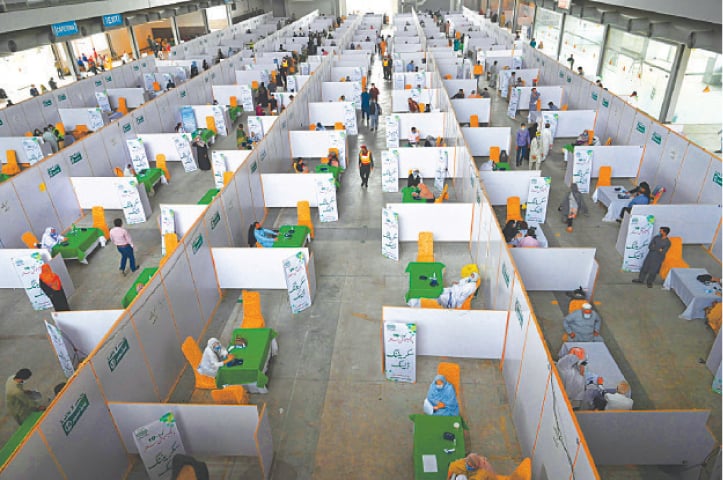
(124, 243)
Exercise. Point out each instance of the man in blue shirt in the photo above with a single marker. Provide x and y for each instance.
(264, 236)
(365, 106)
(522, 142)
(640, 198)
(410, 66)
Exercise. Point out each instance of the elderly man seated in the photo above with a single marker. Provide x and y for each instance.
(583, 325)
(455, 295)
(51, 238)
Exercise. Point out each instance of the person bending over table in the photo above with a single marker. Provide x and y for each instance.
(20, 403)
(441, 398)
(414, 178)
(424, 193)
(129, 171)
(472, 467)
(51, 238)
(583, 325)
(455, 295)
(264, 236)
(52, 287)
(214, 357)
(640, 198)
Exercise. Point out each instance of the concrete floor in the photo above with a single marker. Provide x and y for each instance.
(332, 413)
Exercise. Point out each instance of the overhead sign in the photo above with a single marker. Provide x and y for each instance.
(65, 29)
(114, 20)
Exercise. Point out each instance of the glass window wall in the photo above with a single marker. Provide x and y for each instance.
(582, 40)
(507, 13)
(699, 100)
(217, 18)
(525, 16)
(547, 31)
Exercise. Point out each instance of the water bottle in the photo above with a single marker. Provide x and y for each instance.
(74, 229)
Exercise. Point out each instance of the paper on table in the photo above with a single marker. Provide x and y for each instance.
(429, 463)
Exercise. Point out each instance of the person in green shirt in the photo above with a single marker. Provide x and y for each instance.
(20, 403)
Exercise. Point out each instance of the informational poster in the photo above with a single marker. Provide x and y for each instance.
(400, 352)
(137, 151)
(247, 98)
(103, 102)
(551, 118)
(27, 268)
(398, 81)
(420, 80)
(416, 94)
(356, 95)
(582, 169)
(297, 282)
(183, 149)
(304, 68)
(265, 76)
(350, 119)
(514, 102)
(357, 74)
(168, 225)
(516, 62)
(188, 119)
(56, 338)
(441, 170)
(392, 124)
(220, 118)
(291, 83)
(640, 232)
(390, 234)
(256, 129)
(148, 80)
(537, 197)
(326, 197)
(95, 119)
(504, 82)
(181, 75)
(398, 65)
(218, 163)
(390, 170)
(157, 443)
(32, 150)
(338, 141)
(131, 201)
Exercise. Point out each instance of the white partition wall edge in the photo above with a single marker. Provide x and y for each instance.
(256, 268)
(449, 222)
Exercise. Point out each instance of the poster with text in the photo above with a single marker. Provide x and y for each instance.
(390, 170)
(188, 119)
(183, 149)
(157, 443)
(400, 352)
(27, 268)
(582, 168)
(441, 170)
(138, 155)
(420, 80)
(640, 232)
(392, 124)
(32, 150)
(291, 83)
(356, 95)
(537, 197)
(398, 81)
(326, 197)
(304, 68)
(297, 282)
(504, 82)
(127, 190)
(390, 234)
(95, 119)
(218, 163)
(61, 350)
(514, 101)
(350, 118)
(168, 225)
(256, 129)
(220, 118)
(357, 74)
(338, 141)
(103, 102)
(148, 80)
(551, 118)
(247, 98)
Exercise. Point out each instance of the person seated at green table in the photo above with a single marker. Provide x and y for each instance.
(51, 238)
(242, 140)
(20, 403)
(129, 171)
(300, 166)
(264, 236)
(423, 193)
(472, 467)
(214, 357)
(414, 178)
(441, 398)
(320, 127)
(455, 295)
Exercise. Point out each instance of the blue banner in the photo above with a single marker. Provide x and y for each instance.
(188, 118)
(65, 29)
(114, 20)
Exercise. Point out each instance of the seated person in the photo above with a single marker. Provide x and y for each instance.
(441, 398)
(413, 137)
(455, 295)
(485, 93)
(471, 467)
(572, 373)
(51, 238)
(412, 105)
(300, 166)
(510, 230)
(214, 357)
(439, 142)
(459, 94)
(521, 232)
(264, 236)
(423, 193)
(583, 138)
(643, 187)
(552, 106)
(529, 240)
(639, 198)
(414, 178)
(333, 159)
(583, 325)
(320, 127)
(620, 400)
(129, 171)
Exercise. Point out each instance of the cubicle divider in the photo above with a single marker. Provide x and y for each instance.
(556, 269)
(257, 268)
(465, 108)
(427, 123)
(287, 189)
(449, 222)
(83, 330)
(695, 223)
(479, 140)
(502, 185)
(184, 216)
(624, 160)
(28, 150)
(571, 123)
(453, 86)
(428, 97)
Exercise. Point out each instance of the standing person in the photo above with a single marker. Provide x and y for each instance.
(374, 93)
(20, 403)
(522, 141)
(571, 61)
(546, 141)
(571, 205)
(59, 69)
(262, 95)
(201, 153)
(492, 72)
(34, 91)
(52, 287)
(374, 111)
(366, 165)
(657, 249)
(534, 97)
(583, 325)
(387, 68)
(124, 243)
(536, 152)
(365, 97)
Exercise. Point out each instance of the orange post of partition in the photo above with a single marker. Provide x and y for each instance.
(590, 136)
(123, 105)
(11, 167)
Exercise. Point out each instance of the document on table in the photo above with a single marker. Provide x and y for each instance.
(429, 462)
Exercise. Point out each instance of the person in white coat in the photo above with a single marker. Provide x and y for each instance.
(51, 238)
(214, 357)
(536, 151)
(546, 141)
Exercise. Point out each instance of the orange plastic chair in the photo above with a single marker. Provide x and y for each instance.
(422, 107)
(609, 141)
(231, 395)
(98, 215)
(254, 84)
(590, 136)
(303, 212)
(564, 108)
(161, 163)
(513, 209)
(657, 193)
(451, 374)
(171, 242)
(407, 86)
(193, 356)
(674, 257)
(233, 101)
(425, 247)
(156, 87)
(312, 127)
(30, 240)
(60, 127)
(448, 76)
(11, 167)
(253, 318)
(339, 126)
(443, 196)
(495, 153)
(123, 105)
(576, 304)
(118, 172)
(81, 128)
(604, 176)
(28, 134)
(474, 121)
(522, 472)
(227, 177)
(211, 124)
(429, 303)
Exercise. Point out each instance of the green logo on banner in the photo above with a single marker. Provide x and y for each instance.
(126, 128)
(2, 123)
(656, 138)
(98, 83)
(569, 79)
(54, 170)
(47, 103)
(76, 157)
(140, 119)
(594, 96)
(717, 178)
(215, 220)
(71, 418)
(183, 93)
(640, 127)
(108, 78)
(562, 74)
(505, 274)
(605, 102)
(197, 243)
(143, 64)
(254, 166)
(62, 97)
(117, 354)
(135, 68)
(518, 312)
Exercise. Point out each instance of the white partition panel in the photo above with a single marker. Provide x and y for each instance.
(571, 123)
(328, 113)
(135, 97)
(231, 426)
(426, 123)
(501, 185)
(256, 268)
(306, 143)
(215, 222)
(16, 144)
(555, 269)
(223, 93)
(286, 189)
(92, 191)
(185, 215)
(669, 165)
(72, 117)
(33, 460)
(465, 108)
(425, 160)
(449, 222)
(479, 140)
(198, 251)
(518, 325)
(13, 218)
(176, 277)
(426, 96)
(36, 207)
(264, 442)
(453, 86)
(332, 91)
(8, 276)
(624, 159)
(234, 216)
(547, 94)
(86, 328)
(694, 172)
(454, 333)
(695, 223)
(163, 144)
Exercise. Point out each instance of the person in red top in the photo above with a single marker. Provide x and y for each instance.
(366, 165)
(374, 93)
(124, 243)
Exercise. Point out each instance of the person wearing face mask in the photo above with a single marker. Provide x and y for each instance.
(214, 357)
(472, 467)
(572, 373)
(583, 325)
(441, 398)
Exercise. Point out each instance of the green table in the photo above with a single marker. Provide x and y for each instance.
(407, 195)
(421, 288)
(149, 178)
(323, 168)
(502, 166)
(208, 196)
(80, 243)
(254, 355)
(234, 112)
(3, 177)
(206, 134)
(143, 278)
(297, 239)
(17, 438)
(429, 440)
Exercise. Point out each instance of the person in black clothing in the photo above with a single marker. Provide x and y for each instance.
(205, 65)
(262, 95)
(414, 178)
(53, 84)
(194, 69)
(201, 153)
(34, 91)
(533, 133)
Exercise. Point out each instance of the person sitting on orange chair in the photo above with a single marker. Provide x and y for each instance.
(472, 467)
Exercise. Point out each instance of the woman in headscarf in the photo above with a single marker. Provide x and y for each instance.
(52, 287)
(51, 238)
(472, 467)
(510, 230)
(201, 153)
(441, 398)
(214, 357)
(572, 204)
